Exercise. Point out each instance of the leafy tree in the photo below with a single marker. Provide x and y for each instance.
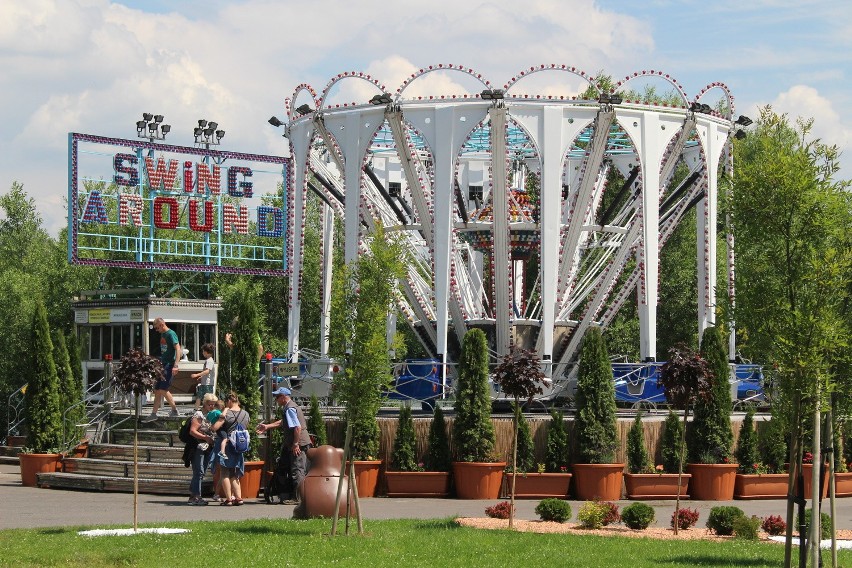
(366, 304)
(438, 454)
(595, 419)
(556, 458)
(70, 391)
(316, 422)
(671, 447)
(473, 432)
(403, 454)
(43, 416)
(710, 435)
(245, 358)
(747, 453)
(638, 460)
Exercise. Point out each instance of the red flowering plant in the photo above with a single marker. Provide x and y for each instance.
(807, 457)
(685, 518)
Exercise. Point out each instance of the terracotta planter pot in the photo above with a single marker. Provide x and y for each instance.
(418, 483)
(656, 485)
(32, 464)
(598, 481)
(712, 481)
(539, 485)
(367, 477)
(807, 472)
(843, 484)
(476, 480)
(250, 481)
(763, 486)
(80, 450)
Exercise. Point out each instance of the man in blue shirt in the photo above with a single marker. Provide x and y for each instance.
(293, 457)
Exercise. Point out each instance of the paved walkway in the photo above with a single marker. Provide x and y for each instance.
(27, 507)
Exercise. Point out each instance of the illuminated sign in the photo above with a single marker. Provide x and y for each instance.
(136, 204)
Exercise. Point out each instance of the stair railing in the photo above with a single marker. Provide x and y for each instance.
(14, 412)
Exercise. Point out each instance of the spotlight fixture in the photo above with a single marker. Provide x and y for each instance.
(275, 122)
(382, 99)
(151, 127)
(705, 108)
(743, 120)
(491, 94)
(206, 133)
(740, 134)
(303, 109)
(695, 106)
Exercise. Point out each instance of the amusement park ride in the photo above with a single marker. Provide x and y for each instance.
(448, 174)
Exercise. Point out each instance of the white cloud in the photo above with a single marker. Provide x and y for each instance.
(806, 102)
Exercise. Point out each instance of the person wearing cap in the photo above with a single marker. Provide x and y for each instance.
(293, 457)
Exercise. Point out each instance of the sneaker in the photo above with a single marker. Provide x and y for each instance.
(174, 413)
(201, 501)
(150, 418)
(291, 502)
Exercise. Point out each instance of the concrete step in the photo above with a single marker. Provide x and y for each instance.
(65, 480)
(122, 452)
(151, 437)
(115, 468)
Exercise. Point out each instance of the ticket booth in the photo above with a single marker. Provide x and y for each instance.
(110, 322)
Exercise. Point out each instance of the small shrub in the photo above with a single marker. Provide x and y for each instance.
(721, 519)
(774, 525)
(592, 515)
(746, 527)
(638, 516)
(555, 510)
(685, 518)
(825, 529)
(499, 511)
(611, 514)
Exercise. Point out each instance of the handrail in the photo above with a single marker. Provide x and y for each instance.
(15, 410)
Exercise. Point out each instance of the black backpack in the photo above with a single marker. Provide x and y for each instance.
(184, 435)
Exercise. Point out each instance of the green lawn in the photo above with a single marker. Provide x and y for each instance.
(397, 543)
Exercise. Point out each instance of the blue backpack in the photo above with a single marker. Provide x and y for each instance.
(239, 437)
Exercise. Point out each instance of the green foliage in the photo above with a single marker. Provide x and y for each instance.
(710, 436)
(595, 419)
(403, 454)
(42, 414)
(473, 432)
(245, 356)
(556, 457)
(366, 303)
(554, 510)
(70, 391)
(721, 519)
(638, 460)
(794, 263)
(671, 450)
(638, 516)
(592, 514)
(316, 422)
(438, 453)
(825, 524)
(526, 448)
(772, 446)
(747, 527)
(747, 453)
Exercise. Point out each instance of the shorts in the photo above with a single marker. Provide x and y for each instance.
(201, 390)
(167, 380)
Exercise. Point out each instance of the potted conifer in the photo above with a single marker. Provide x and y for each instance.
(645, 480)
(477, 473)
(754, 480)
(710, 437)
(41, 403)
(549, 479)
(595, 424)
(410, 477)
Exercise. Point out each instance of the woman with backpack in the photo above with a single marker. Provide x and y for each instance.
(233, 467)
(198, 445)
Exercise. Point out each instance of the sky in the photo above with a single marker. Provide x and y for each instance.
(94, 66)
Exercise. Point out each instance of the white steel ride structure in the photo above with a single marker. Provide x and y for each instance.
(448, 173)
